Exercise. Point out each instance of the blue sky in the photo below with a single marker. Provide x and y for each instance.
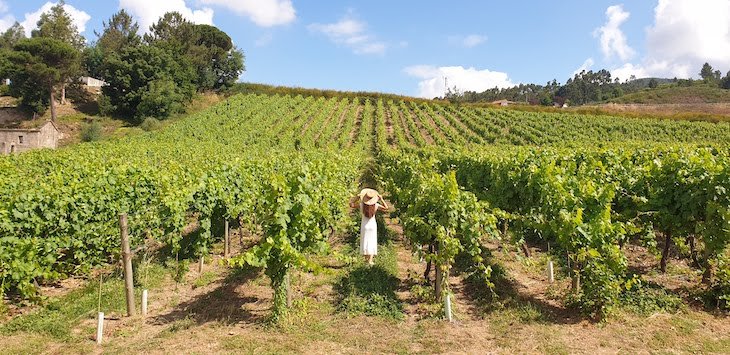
(409, 47)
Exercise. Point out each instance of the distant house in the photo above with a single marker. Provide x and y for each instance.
(503, 102)
(16, 140)
(92, 82)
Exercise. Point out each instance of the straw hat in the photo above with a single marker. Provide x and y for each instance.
(369, 196)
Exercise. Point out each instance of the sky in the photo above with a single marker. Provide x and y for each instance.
(418, 47)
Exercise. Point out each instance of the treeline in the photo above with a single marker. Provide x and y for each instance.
(153, 75)
(583, 88)
(265, 89)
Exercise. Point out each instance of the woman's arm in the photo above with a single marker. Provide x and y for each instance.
(353, 202)
(385, 204)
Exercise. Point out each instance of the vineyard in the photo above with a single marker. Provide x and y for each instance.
(582, 190)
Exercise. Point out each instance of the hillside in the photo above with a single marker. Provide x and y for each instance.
(696, 94)
(508, 193)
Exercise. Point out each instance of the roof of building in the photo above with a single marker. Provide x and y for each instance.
(37, 129)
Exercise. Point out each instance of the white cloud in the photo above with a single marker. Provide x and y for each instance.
(352, 33)
(79, 17)
(587, 64)
(265, 13)
(6, 21)
(147, 12)
(433, 79)
(613, 40)
(468, 41)
(684, 35)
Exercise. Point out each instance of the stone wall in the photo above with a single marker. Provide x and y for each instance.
(22, 140)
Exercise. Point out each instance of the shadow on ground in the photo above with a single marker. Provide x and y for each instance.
(224, 304)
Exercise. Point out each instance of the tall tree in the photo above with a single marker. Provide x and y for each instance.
(119, 33)
(725, 82)
(12, 36)
(147, 81)
(217, 62)
(706, 73)
(58, 24)
(172, 32)
(39, 65)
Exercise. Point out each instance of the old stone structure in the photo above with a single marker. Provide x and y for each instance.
(16, 140)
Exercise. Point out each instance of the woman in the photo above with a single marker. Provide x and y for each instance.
(368, 205)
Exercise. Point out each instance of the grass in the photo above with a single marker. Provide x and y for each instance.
(205, 279)
(370, 290)
(699, 93)
(58, 317)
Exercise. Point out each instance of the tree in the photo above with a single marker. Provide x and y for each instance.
(653, 83)
(725, 82)
(39, 65)
(217, 62)
(12, 36)
(172, 32)
(57, 24)
(706, 73)
(119, 33)
(147, 81)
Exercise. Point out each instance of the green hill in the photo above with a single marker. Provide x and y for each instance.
(676, 95)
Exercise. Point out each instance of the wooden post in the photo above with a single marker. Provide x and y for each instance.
(200, 264)
(287, 280)
(437, 282)
(665, 252)
(99, 327)
(551, 275)
(227, 241)
(575, 284)
(144, 303)
(127, 259)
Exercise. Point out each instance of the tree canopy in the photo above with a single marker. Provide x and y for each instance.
(38, 65)
(57, 24)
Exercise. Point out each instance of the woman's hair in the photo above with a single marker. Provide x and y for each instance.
(368, 210)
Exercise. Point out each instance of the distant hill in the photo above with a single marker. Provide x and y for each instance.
(676, 95)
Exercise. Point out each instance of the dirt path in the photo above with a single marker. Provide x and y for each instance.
(341, 121)
(424, 133)
(356, 127)
(330, 118)
(430, 121)
(406, 131)
(389, 127)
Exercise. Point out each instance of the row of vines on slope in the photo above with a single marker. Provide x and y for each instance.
(58, 210)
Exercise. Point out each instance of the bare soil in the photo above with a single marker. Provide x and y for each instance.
(389, 127)
(406, 130)
(357, 126)
(228, 315)
(341, 121)
(424, 133)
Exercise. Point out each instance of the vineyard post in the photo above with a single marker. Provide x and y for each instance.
(551, 275)
(287, 283)
(127, 259)
(227, 241)
(437, 282)
(200, 263)
(99, 327)
(448, 308)
(144, 303)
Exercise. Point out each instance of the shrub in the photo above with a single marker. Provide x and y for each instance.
(105, 106)
(91, 132)
(150, 124)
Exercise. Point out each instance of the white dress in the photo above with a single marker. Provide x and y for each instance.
(369, 233)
